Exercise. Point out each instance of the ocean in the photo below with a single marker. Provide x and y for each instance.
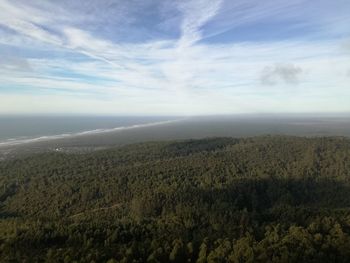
(23, 129)
(83, 131)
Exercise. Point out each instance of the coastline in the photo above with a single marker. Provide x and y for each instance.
(180, 129)
(15, 142)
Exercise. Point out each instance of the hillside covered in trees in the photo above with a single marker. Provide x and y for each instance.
(263, 199)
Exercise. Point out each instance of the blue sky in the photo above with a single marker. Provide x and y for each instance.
(162, 57)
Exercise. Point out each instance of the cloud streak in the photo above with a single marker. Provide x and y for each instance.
(195, 15)
(203, 66)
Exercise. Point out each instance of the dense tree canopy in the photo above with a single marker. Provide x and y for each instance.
(264, 199)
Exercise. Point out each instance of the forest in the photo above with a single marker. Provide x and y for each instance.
(259, 199)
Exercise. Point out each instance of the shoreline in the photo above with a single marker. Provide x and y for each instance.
(179, 129)
(17, 142)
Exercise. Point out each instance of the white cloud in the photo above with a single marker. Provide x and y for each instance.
(196, 13)
(183, 75)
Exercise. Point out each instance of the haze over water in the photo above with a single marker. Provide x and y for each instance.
(96, 131)
(17, 128)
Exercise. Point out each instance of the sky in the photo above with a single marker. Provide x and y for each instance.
(174, 57)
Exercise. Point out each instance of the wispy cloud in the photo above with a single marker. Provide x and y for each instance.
(195, 15)
(14, 63)
(83, 50)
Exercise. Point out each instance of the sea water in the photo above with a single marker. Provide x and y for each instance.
(20, 129)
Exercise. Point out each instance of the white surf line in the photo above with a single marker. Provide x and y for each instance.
(14, 142)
